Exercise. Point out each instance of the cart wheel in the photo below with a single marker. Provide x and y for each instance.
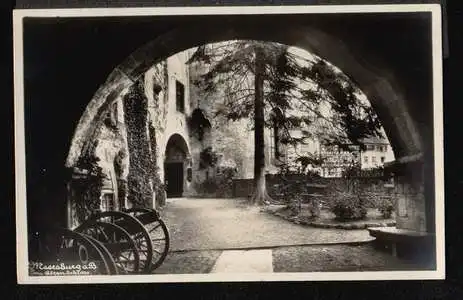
(136, 231)
(117, 241)
(158, 231)
(107, 255)
(60, 245)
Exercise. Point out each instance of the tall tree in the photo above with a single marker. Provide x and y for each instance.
(256, 77)
(260, 193)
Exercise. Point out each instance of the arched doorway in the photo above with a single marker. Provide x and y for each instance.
(176, 166)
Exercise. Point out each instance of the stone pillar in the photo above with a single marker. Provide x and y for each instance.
(413, 189)
(409, 178)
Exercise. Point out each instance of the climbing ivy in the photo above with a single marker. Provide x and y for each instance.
(207, 158)
(158, 186)
(198, 124)
(88, 184)
(140, 170)
(118, 159)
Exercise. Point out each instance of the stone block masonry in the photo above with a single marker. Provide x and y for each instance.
(409, 195)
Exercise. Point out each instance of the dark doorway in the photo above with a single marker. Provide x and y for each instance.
(174, 177)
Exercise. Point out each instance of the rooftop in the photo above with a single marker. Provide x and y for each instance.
(374, 140)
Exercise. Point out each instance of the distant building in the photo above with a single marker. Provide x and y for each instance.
(336, 159)
(377, 152)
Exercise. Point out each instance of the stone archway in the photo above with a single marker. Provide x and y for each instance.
(396, 101)
(374, 78)
(176, 166)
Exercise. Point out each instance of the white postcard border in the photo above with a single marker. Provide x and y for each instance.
(23, 276)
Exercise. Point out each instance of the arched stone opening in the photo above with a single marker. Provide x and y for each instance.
(177, 166)
(393, 99)
(374, 79)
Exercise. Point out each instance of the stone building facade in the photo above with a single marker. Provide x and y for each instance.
(163, 142)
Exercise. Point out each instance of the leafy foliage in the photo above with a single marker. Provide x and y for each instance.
(292, 191)
(300, 87)
(294, 185)
(118, 159)
(386, 207)
(207, 158)
(158, 185)
(141, 165)
(302, 165)
(198, 124)
(352, 171)
(356, 118)
(88, 185)
(220, 185)
(348, 206)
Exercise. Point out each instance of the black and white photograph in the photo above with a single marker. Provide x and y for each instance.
(221, 144)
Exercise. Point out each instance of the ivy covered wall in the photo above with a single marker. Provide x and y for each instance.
(141, 166)
(85, 187)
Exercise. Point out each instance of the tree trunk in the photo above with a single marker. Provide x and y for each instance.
(260, 195)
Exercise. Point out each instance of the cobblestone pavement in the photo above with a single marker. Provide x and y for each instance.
(203, 231)
(218, 224)
(191, 262)
(344, 258)
(326, 258)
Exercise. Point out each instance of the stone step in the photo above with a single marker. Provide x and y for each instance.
(244, 261)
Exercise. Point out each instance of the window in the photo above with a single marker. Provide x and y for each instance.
(365, 159)
(383, 159)
(189, 174)
(370, 147)
(107, 202)
(180, 96)
(373, 159)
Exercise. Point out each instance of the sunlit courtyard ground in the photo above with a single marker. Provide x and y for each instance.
(203, 229)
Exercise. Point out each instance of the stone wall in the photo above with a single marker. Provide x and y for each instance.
(112, 156)
(409, 195)
(159, 90)
(377, 186)
(112, 142)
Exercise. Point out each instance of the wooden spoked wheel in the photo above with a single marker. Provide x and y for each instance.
(158, 231)
(118, 243)
(63, 246)
(113, 270)
(135, 230)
